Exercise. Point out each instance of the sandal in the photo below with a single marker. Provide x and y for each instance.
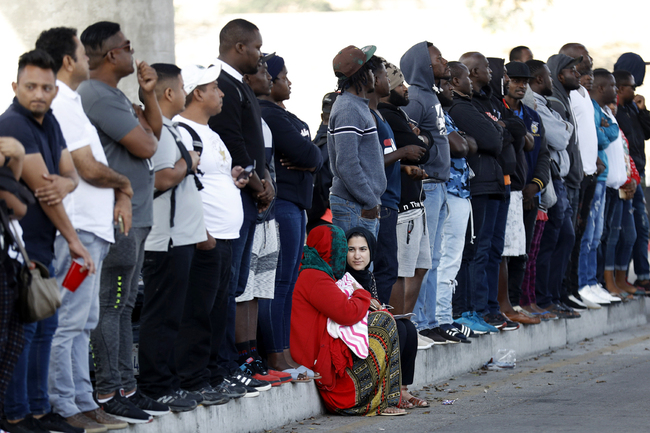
(418, 402)
(393, 411)
(405, 404)
(309, 372)
(297, 376)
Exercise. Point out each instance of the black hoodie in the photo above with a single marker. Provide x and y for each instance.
(488, 177)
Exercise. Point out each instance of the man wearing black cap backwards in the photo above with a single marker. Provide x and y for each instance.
(356, 157)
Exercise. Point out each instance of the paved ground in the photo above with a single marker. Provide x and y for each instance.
(598, 385)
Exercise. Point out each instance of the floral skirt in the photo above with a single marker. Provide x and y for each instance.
(376, 379)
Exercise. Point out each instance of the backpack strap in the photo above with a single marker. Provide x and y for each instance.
(197, 143)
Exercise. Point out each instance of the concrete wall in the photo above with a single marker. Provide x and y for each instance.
(149, 24)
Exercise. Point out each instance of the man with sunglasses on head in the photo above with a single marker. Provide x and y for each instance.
(130, 137)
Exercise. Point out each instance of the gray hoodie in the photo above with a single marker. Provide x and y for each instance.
(562, 104)
(425, 108)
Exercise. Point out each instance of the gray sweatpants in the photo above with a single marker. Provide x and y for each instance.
(112, 339)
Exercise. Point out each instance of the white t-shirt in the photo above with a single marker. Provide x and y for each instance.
(89, 208)
(583, 110)
(616, 168)
(189, 227)
(222, 206)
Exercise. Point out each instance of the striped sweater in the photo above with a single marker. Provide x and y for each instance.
(356, 157)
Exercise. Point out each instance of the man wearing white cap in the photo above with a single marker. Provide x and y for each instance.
(177, 227)
(203, 323)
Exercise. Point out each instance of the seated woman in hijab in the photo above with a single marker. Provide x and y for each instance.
(361, 251)
(349, 385)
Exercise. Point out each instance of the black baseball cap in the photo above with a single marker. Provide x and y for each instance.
(518, 70)
(328, 101)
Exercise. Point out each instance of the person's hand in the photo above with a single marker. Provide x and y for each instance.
(207, 244)
(528, 193)
(139, 112)
(414, 128)
(10, 147)
(600, 167)
(235, 172)
(639, 100)
(375, 305)
(266, 196)
(123, 209)
(412, 152)
(196, 160)
(127, 190)
(603, 122)
(54, 192)
(500, 123)
(414, 172)
(370, 214)
(147, 77)
(78, 251)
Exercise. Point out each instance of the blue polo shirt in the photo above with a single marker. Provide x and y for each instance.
(390, 197)
(46, 139)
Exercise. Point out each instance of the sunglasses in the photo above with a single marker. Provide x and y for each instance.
(126, 46)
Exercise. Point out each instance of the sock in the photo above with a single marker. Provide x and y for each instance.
(254, 353)
(243, 349)
(104, 400)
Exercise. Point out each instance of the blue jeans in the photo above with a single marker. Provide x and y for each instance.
(640, 251)
(469, 295)
(622, 236)
(27, 390)
(385, 261)
(347, 214)
(452, 244)
(435, 205)
(240, 266)
(69, 381)
(588, 262)
(275, 314)
(491, 282)
(555, 249)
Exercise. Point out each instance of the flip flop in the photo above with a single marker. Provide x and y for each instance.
(393, 414)
(309, 372)
(295, 375)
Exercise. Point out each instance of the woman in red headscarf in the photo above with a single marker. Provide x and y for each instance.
(349, 385)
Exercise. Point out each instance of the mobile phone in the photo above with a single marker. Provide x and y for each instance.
(246, 173)
(120, 221)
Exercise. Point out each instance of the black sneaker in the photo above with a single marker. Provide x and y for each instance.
(241, 382)
(448, 330)
(466, 331)
(54, 422)
(258, 372)
(495, 320)
(177, 401)
(232, 389)
(510, 325)
(149, 405)
(435, 336)
(211, 396)
(447, 336)
(28, 425)
(122, 409)
(246, 380)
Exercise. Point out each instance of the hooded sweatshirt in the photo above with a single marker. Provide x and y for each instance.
(557, 132)
(424, 108)
(562, 104)
(634, 64)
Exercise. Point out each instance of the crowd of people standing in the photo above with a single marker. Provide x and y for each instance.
(439, 201)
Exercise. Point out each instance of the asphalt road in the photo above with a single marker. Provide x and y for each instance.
(599, 385)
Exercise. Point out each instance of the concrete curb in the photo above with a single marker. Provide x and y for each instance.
(297, 401)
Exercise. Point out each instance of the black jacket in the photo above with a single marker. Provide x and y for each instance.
(291, 140)
(322, 179)
(488, 134)
(635, 124)
(412, 195)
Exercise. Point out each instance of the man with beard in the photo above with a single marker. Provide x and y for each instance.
(421, 64)
(386, 270)
(240, 127)
(413, 252)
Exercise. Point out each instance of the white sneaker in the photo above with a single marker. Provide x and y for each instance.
(589, 298)
(424, 342)
(600, 290)
(577, 301)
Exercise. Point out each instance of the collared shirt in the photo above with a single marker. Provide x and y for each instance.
(231, 71)
(44, 138)
(89, 208)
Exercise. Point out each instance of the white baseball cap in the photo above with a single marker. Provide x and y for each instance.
(196, 75)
